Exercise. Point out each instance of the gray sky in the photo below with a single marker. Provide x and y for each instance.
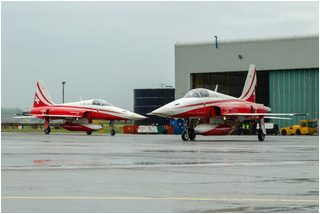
(107, 49)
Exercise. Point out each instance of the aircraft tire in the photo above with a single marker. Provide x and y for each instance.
(192, 134)
(112, 132)
(48, 130)
(261, 136)
(89, 132)
(185, 136)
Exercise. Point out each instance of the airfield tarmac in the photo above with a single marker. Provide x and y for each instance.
(158, 173)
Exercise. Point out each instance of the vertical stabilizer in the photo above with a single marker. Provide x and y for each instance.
(42, 96)
(248, 93)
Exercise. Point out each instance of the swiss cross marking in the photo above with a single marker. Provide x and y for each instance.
(37, 100)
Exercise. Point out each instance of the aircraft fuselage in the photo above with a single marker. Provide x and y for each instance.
(214, 106)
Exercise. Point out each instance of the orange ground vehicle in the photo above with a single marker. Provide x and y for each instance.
(305, 127)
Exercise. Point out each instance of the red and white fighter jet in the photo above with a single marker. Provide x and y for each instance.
(77, 116)
(219, 111)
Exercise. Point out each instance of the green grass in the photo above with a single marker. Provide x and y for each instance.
(106, 129)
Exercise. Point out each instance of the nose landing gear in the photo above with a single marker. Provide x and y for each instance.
(112, 132)
(189, 133)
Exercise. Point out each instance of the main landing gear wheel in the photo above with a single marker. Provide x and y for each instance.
(192, 134)
(185, 136)
(47, 131)
(112, 132)
(261, 136)
(89, 132)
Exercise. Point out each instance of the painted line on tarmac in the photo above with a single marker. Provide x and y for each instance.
(156, 198)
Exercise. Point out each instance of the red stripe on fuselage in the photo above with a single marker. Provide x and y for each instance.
(105, 113)
(212, 102)
(204, 111)
(88, 108)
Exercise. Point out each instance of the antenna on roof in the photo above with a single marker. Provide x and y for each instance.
(164, 85)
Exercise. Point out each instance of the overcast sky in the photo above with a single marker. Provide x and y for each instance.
(107, 49)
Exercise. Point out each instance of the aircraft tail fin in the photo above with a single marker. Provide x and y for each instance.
(248, 93)
(42, 96)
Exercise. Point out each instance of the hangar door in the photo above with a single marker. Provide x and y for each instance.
(231, 83)
(295, 91)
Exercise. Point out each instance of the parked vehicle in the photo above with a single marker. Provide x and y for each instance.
(271, 128)
(305, 127)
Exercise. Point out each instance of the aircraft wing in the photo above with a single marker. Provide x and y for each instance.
(58, 116)
(52, 116)
(265, 114)
(25, 116)
(277, 116)
(57, 113)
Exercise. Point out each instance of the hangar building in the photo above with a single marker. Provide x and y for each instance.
(287, 71)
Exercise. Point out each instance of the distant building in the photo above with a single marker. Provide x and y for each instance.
(147, 100)
(287, 71)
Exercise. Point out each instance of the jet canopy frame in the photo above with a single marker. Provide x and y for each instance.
(99, 102)
(197, 93)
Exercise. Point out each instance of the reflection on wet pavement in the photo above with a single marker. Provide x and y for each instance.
(279, 175)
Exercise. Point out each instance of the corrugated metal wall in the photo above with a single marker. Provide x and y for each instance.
(147, 100)
(283, 53)
(294, 91)
(292, 63)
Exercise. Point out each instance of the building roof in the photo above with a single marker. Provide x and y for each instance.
(246, 40)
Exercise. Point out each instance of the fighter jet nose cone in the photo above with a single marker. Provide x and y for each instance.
(135, 116)
(163, 111)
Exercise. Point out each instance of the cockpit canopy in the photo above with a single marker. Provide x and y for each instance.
(199, 92)
(101, 102)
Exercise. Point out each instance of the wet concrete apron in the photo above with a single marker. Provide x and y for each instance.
(158, 173)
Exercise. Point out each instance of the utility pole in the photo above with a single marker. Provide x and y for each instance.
(216, 41)
(63, 91)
